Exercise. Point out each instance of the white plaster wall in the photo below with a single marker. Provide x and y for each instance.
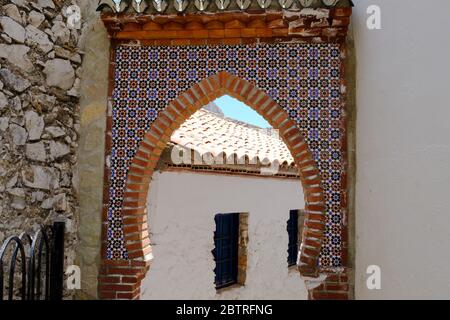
(181, 218)
(403, 149)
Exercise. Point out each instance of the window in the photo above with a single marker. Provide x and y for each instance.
(226, 240)
(292, 229)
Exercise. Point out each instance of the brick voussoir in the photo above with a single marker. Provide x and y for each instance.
(134, 219)
(134, 212)
(137, 187)
(136, 236)
(131, 196)
(315, 207)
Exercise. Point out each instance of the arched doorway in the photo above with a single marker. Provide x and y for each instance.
(134, 212)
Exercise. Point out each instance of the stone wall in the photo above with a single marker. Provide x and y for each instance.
(40, 69)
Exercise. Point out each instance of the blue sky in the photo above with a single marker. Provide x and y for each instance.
(235, 109)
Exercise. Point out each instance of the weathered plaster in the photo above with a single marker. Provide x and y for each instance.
(182, 203)
(403, 176)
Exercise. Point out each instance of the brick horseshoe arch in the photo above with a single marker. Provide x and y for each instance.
(134, 212)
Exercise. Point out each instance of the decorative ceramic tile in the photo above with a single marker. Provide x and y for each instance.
(304, 79)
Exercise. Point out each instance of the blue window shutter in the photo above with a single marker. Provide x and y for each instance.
(225, 253)
(292, 229)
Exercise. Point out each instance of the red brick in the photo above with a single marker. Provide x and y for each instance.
(151, 26)
(108, 295)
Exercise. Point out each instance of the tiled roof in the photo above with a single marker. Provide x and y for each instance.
(175, 6)
(208, 132)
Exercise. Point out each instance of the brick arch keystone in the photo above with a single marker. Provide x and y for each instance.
(134, 211)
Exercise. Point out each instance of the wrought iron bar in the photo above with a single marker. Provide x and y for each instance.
(57, 262)
(12, 267)
(37, 281)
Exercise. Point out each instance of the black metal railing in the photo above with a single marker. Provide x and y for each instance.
(41, 262)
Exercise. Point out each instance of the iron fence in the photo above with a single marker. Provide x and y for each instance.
(41, 261)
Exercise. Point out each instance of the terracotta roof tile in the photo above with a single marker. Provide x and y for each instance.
(176, 6)
(208, 132)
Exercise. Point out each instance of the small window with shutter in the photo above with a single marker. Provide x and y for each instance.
(292, 229)
(226, 239)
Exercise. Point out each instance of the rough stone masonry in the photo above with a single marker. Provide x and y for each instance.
(40, 69)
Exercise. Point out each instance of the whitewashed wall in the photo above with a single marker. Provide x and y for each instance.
(403, 149)
(181, 217)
